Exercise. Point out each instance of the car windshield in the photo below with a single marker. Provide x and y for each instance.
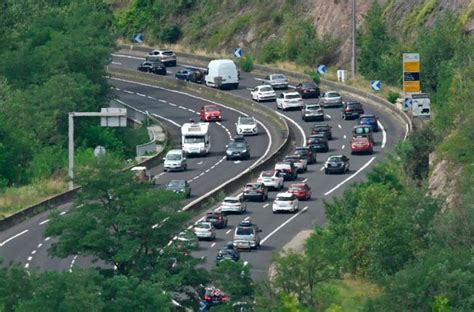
(252, 186)
(194, 139)
(211, 109)
(320, 128)
(176, 183)
(203, 225)
(237, 145)
(284, 198)
(335, 158)
(246, 121)
(360, 130)
(231, 201)
(278, 77)
(332, 95)
(173, 157)
(212, 217)
(354, 105)
(266, 89)
(292, 96)
(367, 119)
(241, 230)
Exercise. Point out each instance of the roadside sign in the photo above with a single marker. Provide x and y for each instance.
(138, 38)
(376, 85)
(119, 121)
(421, 105)
(321, 69)
(407, 103)
(411, 73)
(238, 52)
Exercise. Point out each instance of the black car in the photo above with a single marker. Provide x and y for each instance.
(152, 67)
(228, 253)
(336, 164)
(325, 129)
(239, 149)
(308, 89)
(179, 186)
(318, 142)
(218, 219)
(307, 153)
(352, 110)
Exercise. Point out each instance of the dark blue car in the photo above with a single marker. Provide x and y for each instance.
(369, 120)
(190, 74)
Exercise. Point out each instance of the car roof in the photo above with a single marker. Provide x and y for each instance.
(203, 223)
(175, 151)
(367, 116)
(291, 93)
(210, 105)
(210, 213)
(264, 85)
(232, 198)
(321, 126)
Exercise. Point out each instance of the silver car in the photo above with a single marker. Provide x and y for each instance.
(312, 111)
(175, 160)
(246, 235)
(233, 204)
(331, 99)
(165, 56)
(277, 81)
(205, 230)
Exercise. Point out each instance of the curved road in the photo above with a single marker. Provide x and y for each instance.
(277, 229)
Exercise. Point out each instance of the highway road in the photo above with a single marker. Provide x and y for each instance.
(277, 229)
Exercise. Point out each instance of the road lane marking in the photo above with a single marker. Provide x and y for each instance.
(13, 237)
(128, 56)
(62, 213)
(29, 258)
(163, 101)
(72, 263)
(237, 162)
(27, 265)
(47, 239)
(43, 222)
(245, 263)
(297, 126)
(322, 168)
(343, 146)
(129, 92)
(141, 94)
(328, 116)
(168, 120)
(182, 107)
(350, 177)
(266, 205)
(247, 218)
(213, 244)
(283, 224)
(345, 137)
(200, 163)
(305, 180)
(116, 63)
(384, 134)
(39, 245)
(339, 126)
(228, 231)
(151, 98)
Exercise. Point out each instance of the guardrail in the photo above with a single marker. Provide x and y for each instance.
(67, 196)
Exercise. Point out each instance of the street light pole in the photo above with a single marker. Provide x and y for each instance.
(119, 120)
(353, 58)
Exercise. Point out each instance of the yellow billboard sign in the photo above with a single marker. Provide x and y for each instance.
(411, 73)
(411, 86)
(411, 67)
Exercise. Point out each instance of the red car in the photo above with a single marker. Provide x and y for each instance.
(210, 112)
(361, 144)
(301, 190)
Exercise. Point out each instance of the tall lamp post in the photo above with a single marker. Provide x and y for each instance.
(353, 58)
(110, 117)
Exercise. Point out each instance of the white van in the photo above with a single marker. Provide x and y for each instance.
(175, 160)
(222, 74)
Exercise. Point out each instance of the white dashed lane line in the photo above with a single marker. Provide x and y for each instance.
(266, 205)
(305, 180)
(163, 101)
(141, 94)
(339, 126)
(129, 92)
(345, 137)
(62, 213)
(322, 168)
(343, 146)
(228, 231)
(44, 222)
(328, 116)
(72, 263)
(213, 244)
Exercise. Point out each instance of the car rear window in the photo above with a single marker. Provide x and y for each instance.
(244, 231)
(168, 53)
(292, 96)
(296, 188)
(332, 94)
(313, 107)
(267, 174)
(370, 119)
(265, 89)
(231, 201)
(285, 198)
(203, 226)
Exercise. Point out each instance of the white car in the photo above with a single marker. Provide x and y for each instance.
(263, 93)
(285, 202)
(175, 160)
(233, 204)
(277, 81)
(271, 179)
(205, 230)
(289, 100)
(301, 163)
(246, 126)
(331, 99)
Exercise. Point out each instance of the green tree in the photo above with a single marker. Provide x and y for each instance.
(118, 220)
(234, 279)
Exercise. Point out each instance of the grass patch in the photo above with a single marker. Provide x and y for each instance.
(14, 199)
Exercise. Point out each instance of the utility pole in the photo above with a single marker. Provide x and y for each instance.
(353, 58)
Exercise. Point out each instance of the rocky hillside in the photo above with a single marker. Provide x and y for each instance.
(218, 25)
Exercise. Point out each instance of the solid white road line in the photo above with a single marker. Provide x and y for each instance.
(282, 225)
(350, 177)
(384, 134)
(116, 63)
(168, 120)
(407, 130)
(297, 126)
(128, 56)
(13, 237)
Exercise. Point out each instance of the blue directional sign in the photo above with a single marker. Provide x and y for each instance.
(238, 52)
(138, 38)
(407, 103)
(376, 85)
(321, 69)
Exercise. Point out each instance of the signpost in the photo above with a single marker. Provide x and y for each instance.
(411, 73)
(321, 69)
(421, 105)
(238, 52)
(376, 85)
(138, 38)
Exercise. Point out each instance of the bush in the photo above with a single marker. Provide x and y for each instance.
(315, 77)
(393, 96)
(246, 63)
(271, 52)
(170, 33)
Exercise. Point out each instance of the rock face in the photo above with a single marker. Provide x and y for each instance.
(442, 181)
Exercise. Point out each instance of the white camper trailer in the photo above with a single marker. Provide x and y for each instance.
(195, 138)
(222, 74)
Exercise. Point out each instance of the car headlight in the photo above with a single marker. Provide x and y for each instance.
(228, 152)
(244, 151)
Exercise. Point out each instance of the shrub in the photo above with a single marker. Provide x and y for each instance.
(393, 96)
(315, 77)
(246, 63)
(271, 52)
(170, 33)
